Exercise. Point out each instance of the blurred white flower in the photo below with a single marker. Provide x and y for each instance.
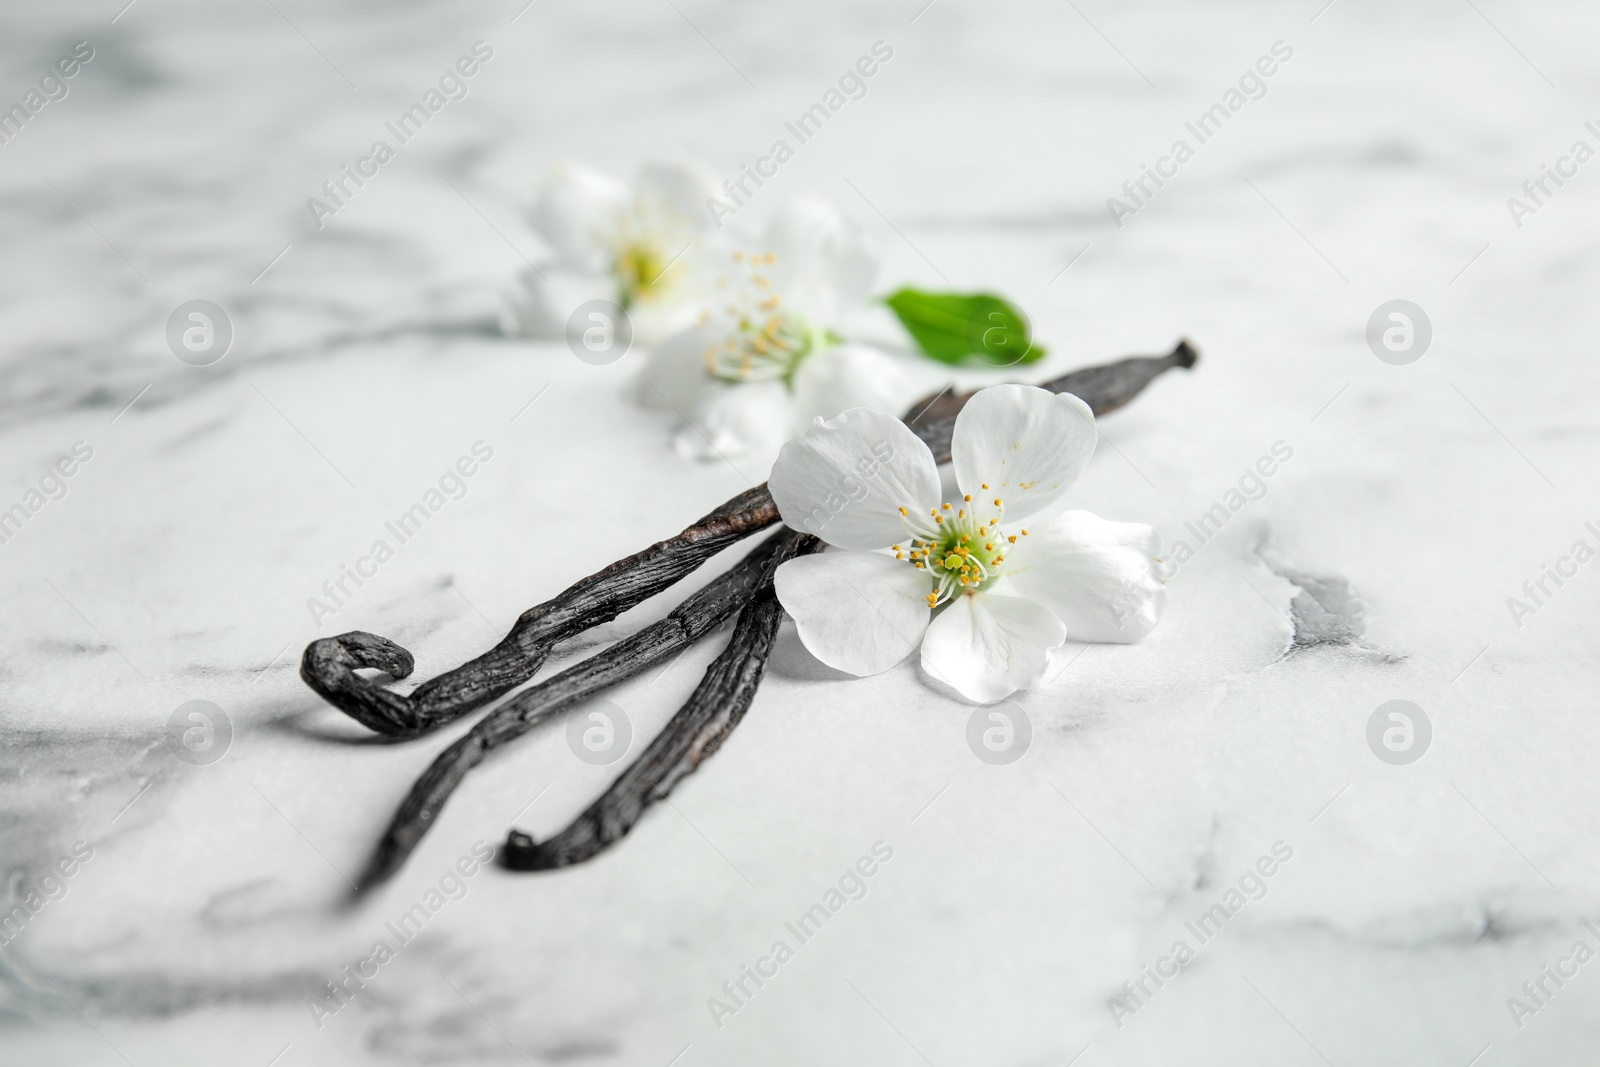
(632, 245)
(763, 359)
(987, 599)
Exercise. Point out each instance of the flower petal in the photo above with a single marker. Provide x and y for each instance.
(674, 375)
(1027, 444)
(1097, 576)
(850, 376)
(824, 264)
(846, 479)
(733, 421)
(858, 612)
(987, 646)
(577, 210)
(674, 190)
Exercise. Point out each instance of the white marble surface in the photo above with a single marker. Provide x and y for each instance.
(1018, 899)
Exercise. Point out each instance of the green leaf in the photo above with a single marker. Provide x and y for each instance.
(956, 327)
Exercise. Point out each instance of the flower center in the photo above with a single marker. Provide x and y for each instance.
(960, 553)
(762, 341)
(642, 271)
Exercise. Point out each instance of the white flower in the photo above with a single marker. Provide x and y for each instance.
(763, 358)
(990, 583)
(616, 243)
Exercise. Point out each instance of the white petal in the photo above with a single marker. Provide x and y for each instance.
(1097, 576)
(987, 646)
(824, 264)
(577, 210)
(540, 301)
(858, 612)
(673, 191)
(847, 478)
(849, 376)
(1027, 444)
(732, 421)
(675, 374)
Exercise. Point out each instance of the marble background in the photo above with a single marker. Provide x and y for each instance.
(1019, 898)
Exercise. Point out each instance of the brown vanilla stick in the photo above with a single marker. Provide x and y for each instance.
(694, 734)
(699, 614)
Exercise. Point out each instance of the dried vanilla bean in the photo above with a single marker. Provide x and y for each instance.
(695, 732)
(329, 665)
(699, 614)
(1104, 388)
